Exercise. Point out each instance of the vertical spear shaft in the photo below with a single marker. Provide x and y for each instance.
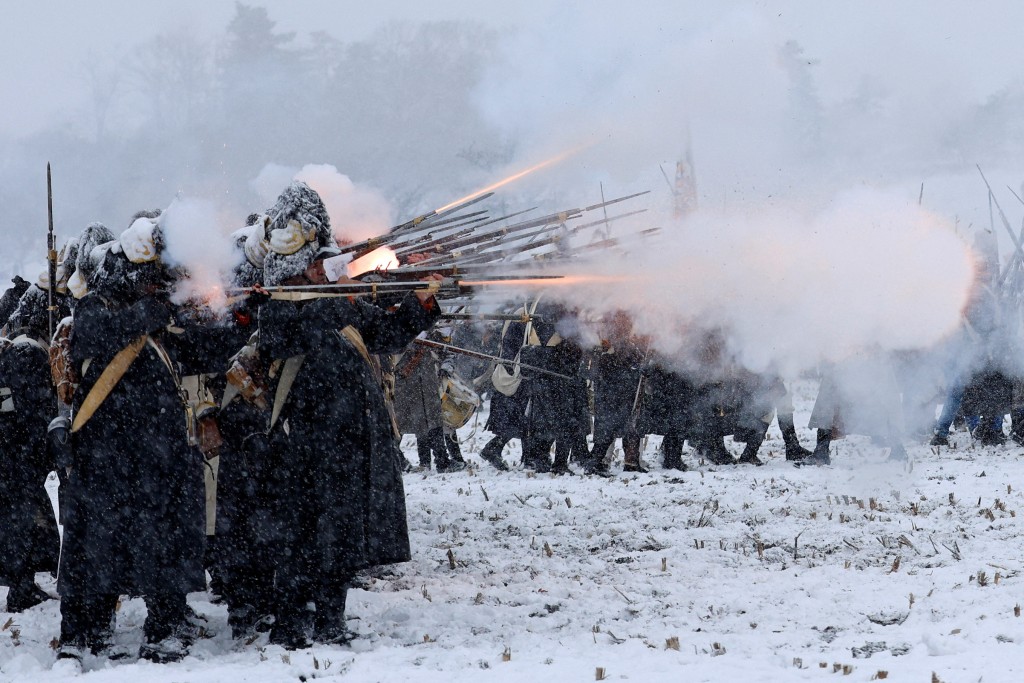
(51, 251)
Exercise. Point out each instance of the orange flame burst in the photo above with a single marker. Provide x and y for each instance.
(514, 177)
(380, 258)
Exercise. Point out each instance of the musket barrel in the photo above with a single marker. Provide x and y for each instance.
(51, 254)
(487, 356)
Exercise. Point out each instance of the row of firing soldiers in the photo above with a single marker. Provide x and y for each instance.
(555, 391)
(286, 409)
(282, 405)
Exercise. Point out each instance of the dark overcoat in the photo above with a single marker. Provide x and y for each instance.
(29, 541)
(558, 406)
(417, 401)
(616, 375)
(340, 500)
(507, 414)
(134, 520)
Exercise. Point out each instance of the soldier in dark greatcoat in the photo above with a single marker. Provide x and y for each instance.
(617, 393)
(245, 478)
(340, 499)
(29, 542)
(133, 517)
(11, 296)
(558, 412)
(418, 376)
(507, 416)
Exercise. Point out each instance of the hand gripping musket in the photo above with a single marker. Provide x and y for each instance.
(51, 255)
(487, 356)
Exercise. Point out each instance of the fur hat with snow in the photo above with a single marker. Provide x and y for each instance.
(298, 231)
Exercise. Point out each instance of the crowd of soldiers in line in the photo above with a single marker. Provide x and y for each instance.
(295, 412)
(308, 473)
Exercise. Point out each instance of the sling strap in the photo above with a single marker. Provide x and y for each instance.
(106, 382)
(284, 385)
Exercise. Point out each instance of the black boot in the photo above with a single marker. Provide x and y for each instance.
(291, 627)
(167, 628)
(25, 594)
(423, 451)
(442, 460)
(536, 454)
(714, 451)
(492, 453)
(329, 627)
(672, 452)
(594, 461)
(753, 444)
(987, 434)
(631, 444)
(451, 442)
(820, 456)
(794, 451)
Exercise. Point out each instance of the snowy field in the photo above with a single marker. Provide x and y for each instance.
(866, 570)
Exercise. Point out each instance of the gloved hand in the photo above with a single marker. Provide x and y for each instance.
(257, 297)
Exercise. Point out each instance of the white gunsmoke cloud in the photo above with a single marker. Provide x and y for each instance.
(357, 212)
(196, 241)
(639, 93)
(790, 289)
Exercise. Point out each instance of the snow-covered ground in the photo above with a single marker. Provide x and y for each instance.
(864, 570)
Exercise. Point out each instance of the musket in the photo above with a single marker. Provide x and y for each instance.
(544, 222)
(486, 257)
(503, 317)
(51, 253)
(360, 249)
(417, 271)
(616, 200)
(1006, 224)
(500, 249)
(617, 241)
(496, 235)
(423, 222)
(432, 216)
(364, 247)
(445, 287)
(429, 241)
(1018, 253)
(487, 356)
(472, 220)
(606, 220)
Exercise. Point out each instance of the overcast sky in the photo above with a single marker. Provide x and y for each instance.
(973, 48)
(50, 41)
(644, 78)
